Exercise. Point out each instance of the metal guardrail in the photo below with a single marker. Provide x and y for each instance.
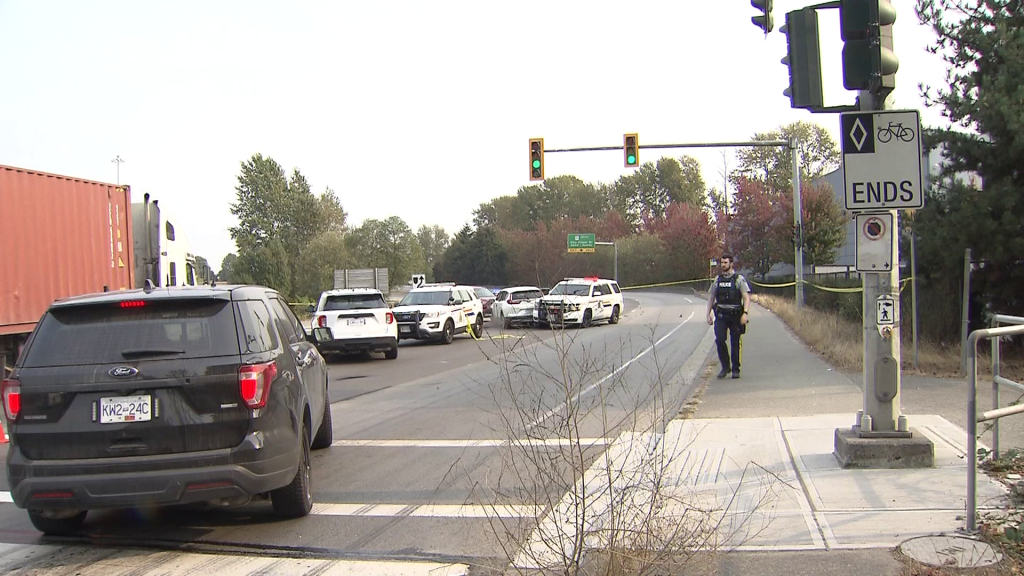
(995, 333)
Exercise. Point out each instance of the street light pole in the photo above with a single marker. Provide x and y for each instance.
(118, 161)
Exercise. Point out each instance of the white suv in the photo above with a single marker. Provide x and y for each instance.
(439, 312)
(580, 301)
(515, 305)
(360, 321)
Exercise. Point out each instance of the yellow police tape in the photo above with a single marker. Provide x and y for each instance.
(472, 332)
(903, 284)
(666, 284)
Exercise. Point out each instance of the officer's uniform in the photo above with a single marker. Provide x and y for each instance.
(729, 292)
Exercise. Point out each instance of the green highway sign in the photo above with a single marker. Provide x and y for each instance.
(581, 243)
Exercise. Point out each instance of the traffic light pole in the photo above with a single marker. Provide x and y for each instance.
(881, 413)
(615, 247)
(754, 144)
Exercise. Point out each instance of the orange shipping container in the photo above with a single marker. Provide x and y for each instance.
(59, 236)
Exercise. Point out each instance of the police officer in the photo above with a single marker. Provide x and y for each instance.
(728, 303)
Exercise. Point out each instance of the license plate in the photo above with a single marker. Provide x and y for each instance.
(357, 321)
(126, 409)
(406, 328)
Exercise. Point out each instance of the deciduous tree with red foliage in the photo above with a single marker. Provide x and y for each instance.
(540, 257)
(824, 225)
(691, 239)
(760, 231)
(753, 229)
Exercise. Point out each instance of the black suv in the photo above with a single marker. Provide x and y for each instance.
(165, 396)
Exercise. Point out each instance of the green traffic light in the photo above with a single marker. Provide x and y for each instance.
(536, 163)
(631, 159)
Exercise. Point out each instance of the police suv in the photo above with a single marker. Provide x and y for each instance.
(359, 319)
(439, 312)
(580, 301)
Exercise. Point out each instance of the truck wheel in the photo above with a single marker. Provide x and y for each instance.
(296, 499)
(588, 318)
(325, 434)
(478, 328)
(391, 354)
(56, 525)
(615, 315)
(449, 332)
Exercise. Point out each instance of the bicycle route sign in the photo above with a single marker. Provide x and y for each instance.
(882, 160)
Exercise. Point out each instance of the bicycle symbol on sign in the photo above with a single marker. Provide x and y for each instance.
(895, 129)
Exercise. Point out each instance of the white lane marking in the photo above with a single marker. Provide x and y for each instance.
(413, 510)
(430, 510)
(590, 388)
(687, 299)
(115, 561)
(556, 442)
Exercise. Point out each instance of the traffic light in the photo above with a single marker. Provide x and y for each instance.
(764, 21)
(868, 59)
(536, 159)
(630, 150)
(803, 59)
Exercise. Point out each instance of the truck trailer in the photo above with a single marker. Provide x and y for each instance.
(60, 236)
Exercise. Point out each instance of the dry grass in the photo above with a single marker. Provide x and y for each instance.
(840, 342)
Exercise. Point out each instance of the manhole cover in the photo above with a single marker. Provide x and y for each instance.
(951, 551)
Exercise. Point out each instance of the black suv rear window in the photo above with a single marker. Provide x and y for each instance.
(354, 302)
(112, 332)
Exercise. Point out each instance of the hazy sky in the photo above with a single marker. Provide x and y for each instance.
(417, 109)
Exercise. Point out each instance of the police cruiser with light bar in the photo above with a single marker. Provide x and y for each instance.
(581, 301)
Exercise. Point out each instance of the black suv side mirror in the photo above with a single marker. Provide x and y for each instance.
(321, 335)
(311, 308)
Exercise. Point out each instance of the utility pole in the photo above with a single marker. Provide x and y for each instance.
(118, 161)
(725, 196)
(798, 222)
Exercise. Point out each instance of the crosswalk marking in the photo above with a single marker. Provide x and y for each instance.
(430, 510)
(412, 510)
(44, 559)
(534, 442)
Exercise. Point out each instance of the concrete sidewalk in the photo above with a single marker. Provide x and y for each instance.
(762, 445)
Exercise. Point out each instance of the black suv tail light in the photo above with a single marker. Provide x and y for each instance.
(254, 383)
(11, 392)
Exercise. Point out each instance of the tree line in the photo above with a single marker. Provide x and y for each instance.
(666, 221)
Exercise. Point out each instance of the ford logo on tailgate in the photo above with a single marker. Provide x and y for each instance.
(123, 372)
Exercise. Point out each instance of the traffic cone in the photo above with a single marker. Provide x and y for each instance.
(3, 435)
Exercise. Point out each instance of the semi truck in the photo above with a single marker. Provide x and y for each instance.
(62, 236)
(162, 252)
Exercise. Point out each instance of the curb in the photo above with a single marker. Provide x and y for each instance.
(687, 377)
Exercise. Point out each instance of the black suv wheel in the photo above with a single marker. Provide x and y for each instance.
(325, 434)
(56, 525)
(296, 499)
